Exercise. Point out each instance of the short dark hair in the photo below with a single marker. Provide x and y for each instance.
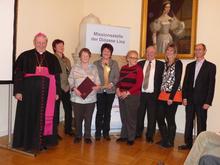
(86, 50)
(55, 42)
(108, 46)
(202, 44)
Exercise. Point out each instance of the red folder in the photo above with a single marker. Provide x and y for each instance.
(86, 87)
(164, 96)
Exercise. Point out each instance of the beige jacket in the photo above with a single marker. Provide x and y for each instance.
(65, 67)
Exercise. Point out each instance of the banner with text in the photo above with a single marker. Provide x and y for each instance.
(97, 34)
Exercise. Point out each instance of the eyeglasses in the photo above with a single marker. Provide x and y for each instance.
(133, 58)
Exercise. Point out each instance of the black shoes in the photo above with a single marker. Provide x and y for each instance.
(185, 147)
(107, 137)
(87, 140)
(42, 148)
(137, 136)
(165, 144)
(121, 140)
(76, 140)
(130, 142)
(70, 133)
(59, 137)
(98, 138)
(149, 140)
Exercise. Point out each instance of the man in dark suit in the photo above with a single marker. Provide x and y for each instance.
(152, 70)
(198, 92)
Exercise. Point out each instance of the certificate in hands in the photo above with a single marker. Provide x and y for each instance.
(86, 87)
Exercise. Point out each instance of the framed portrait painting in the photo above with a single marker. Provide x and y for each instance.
(169, 21)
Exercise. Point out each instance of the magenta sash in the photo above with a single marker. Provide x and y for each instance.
(51, 98)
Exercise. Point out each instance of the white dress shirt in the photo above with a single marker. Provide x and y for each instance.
(197, 69)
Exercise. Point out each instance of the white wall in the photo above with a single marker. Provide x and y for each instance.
(208, 32)
(55, 18)
(61, 19)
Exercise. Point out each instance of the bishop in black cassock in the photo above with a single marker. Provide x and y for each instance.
(36, 80)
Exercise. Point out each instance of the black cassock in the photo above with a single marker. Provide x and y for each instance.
(30, 112)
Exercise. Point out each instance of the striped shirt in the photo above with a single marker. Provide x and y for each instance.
(131, 79)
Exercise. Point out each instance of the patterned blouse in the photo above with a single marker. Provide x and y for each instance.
(172, 77)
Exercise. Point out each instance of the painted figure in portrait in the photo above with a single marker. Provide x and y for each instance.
(167, 28)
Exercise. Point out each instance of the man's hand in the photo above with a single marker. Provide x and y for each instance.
(185, 102)
(57, 97)
(206, 106)
(18, 96)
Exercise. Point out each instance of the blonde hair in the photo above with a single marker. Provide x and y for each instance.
(173, 46)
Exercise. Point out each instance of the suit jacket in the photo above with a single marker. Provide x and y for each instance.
(203, 91)
(157, 76)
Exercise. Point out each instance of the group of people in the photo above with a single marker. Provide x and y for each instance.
(42, 80)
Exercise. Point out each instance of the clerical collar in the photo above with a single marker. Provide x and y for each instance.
(40, 53)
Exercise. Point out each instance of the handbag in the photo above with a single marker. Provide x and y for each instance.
(164, 96)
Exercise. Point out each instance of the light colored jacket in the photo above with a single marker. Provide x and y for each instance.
(77, 76)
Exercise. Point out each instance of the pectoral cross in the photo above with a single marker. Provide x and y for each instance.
(40, 68)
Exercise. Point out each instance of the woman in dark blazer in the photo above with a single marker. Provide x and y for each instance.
(167, 106)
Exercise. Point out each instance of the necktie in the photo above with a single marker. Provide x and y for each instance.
(146, 77)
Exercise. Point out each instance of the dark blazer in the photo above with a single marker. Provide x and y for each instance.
(157, 76)
(203, 91)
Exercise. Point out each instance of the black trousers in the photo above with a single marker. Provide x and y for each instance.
(65, 98)
(201, 114)
(83, 112)
(103, 115)
(148, 102)
(168, 128)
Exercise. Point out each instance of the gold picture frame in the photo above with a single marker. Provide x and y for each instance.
(183, 11)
